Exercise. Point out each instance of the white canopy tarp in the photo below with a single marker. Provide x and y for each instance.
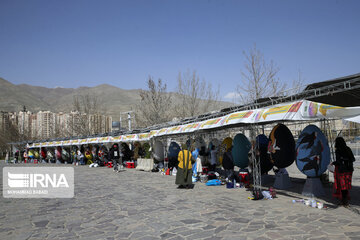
(93, 140)
(144, 136)
(116, 138)
(130, 138)
(294, 111)
(353, 119)
(105, 139)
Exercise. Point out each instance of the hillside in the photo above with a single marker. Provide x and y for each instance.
(115, 100)
(13, 98)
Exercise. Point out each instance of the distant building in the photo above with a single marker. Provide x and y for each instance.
(115, 125)
(46, 124)
(4, 121)
(100, 123)
(24, 122)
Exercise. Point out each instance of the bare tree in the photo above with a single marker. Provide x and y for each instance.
(259, 78)
(155, 104)
(9, 133)
(297, 84)
(196, 97)
(85, 119)
(87, 103)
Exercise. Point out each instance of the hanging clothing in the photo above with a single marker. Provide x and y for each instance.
(196, 168)
(195, 153)
(198, 165)
(213, 157)
(43, 153)
(228, 162)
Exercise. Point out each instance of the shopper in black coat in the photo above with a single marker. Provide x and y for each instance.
(228, 165)
(115, 156)
(343, 170)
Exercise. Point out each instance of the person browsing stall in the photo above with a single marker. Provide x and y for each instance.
(184, 172)
(343, 171)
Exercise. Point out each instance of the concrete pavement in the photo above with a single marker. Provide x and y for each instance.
(144, 205)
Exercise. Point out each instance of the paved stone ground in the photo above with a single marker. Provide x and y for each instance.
(142, 205)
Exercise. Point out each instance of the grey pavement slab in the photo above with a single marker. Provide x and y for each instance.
(144, 205)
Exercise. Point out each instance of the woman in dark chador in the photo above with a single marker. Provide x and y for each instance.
(343, 171)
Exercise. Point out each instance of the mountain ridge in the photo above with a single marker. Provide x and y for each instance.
(114, 99)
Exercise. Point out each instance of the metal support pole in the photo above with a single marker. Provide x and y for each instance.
(129, 120)
(256, 171)
(120, 122)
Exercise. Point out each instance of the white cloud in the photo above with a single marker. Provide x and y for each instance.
(232, 95)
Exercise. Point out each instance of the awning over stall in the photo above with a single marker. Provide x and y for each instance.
(303, 110)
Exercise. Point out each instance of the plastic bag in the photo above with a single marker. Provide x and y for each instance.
(213, 182)
(266, 194)
(174, 171)
(331, 168)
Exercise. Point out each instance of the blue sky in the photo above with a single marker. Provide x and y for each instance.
(72, 43)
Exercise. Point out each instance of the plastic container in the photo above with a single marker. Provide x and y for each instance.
(230, 185)
(203, 178)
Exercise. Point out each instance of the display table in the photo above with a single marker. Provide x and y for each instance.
(145, 164)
